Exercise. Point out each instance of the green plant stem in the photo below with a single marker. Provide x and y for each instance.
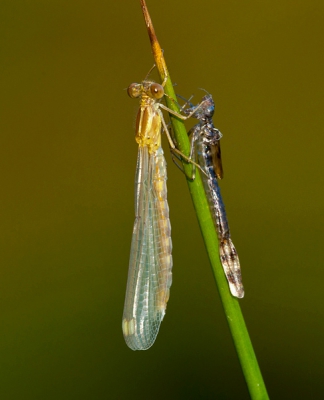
(231, 305)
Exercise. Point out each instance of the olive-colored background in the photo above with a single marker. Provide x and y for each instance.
(67, 169)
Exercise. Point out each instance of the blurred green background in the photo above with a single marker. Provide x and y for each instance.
(67, 210)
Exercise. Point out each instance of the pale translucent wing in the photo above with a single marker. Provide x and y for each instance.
(138, 298)
(149, 276)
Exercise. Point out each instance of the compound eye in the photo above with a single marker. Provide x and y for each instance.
(134, 90)
(157, 90)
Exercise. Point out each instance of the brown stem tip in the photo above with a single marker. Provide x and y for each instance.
(156, 48)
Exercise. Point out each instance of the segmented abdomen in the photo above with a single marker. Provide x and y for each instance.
(228, 255)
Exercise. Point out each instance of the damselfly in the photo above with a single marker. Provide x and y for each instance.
(150, 265)
(205, 143)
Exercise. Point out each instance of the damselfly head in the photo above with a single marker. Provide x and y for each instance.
(148, 88)
(207, 106)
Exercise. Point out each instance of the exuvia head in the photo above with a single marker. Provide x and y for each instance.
(207, 106)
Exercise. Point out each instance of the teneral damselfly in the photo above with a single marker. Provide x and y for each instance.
(205, 144)
(150, 265)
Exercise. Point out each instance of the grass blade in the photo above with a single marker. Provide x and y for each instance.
(231, 305)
